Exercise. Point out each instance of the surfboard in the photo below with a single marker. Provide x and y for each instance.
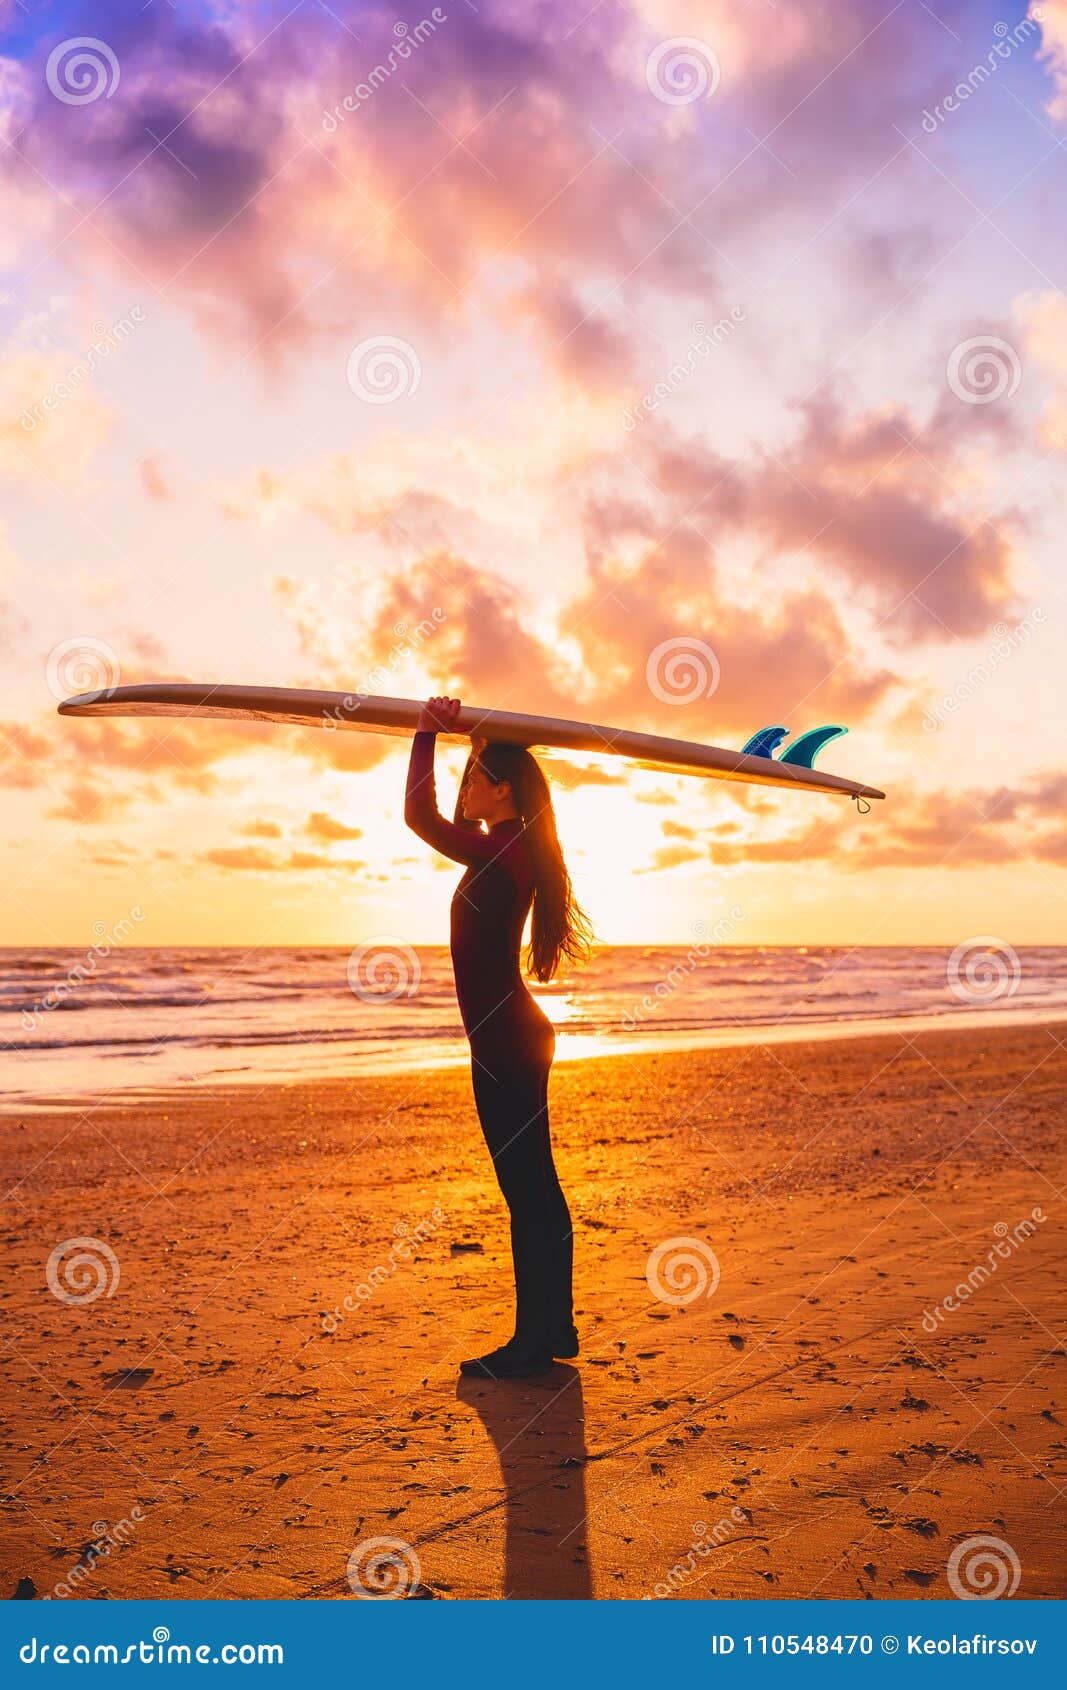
(363, 714)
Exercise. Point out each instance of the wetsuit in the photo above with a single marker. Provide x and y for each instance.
(512, 1042)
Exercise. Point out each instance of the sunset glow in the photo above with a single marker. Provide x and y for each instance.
(331, 365)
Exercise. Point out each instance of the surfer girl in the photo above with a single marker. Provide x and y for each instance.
(513, 866)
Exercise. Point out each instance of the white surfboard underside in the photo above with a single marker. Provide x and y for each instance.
(338, 710)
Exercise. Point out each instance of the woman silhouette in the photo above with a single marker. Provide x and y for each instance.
(515, 864)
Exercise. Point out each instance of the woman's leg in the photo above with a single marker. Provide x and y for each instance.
(561, 1239)
(512, 1100)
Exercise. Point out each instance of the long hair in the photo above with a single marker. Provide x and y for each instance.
(560, 928)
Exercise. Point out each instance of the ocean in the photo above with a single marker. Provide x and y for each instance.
(77, 1024)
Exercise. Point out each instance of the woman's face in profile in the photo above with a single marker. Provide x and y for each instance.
(482, 797)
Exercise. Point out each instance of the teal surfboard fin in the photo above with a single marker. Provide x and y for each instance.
(804, 750)
(765, 743)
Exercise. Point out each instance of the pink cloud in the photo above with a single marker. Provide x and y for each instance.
(522, 141)
(792, 657)
(967, 830)
(873, 500)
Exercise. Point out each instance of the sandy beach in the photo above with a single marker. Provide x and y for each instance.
(266, 1380)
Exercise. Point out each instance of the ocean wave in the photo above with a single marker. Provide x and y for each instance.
(228, 1041)
(189, 999)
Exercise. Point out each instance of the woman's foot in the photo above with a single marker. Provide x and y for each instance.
(510, 1361)
(564, 1342)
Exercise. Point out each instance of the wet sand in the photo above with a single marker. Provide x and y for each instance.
(271, 1383)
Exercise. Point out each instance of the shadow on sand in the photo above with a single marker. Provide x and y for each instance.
(538, 1431)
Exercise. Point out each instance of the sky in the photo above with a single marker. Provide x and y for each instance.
(682, 367)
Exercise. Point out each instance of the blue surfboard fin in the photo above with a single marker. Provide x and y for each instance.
(804, 750)
(764, 743)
